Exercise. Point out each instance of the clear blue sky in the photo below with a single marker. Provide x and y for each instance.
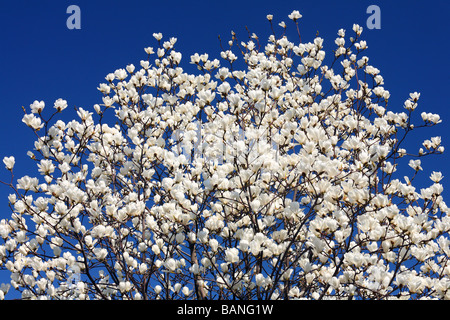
(41, 59)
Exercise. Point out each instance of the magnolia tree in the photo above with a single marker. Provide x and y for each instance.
(273, 176)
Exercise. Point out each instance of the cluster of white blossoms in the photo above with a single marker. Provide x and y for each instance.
(269, 176)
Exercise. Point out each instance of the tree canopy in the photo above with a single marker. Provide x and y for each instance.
(277, 172)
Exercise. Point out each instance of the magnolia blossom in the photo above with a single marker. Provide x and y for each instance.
(37, 106)
(273, 173)
(295, 15)
(232, 255)
(32, 121)
(60, 104)
(436, 176)
(9, 162)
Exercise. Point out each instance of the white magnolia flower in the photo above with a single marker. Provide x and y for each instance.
(232, 255)
(60, 104)
(46, 167)
(157, 36)
(357, 29)
(9, 162)
(33, 122)
(436, 176)
(37, 106)
(434, 118)
(120, 74)
(27, 183)
(415, 164)
(100, 253)
(171, 264)
(295, 15)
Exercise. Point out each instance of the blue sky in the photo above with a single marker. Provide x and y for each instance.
(41, 59)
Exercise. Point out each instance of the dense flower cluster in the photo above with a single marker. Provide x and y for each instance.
(273, 181)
